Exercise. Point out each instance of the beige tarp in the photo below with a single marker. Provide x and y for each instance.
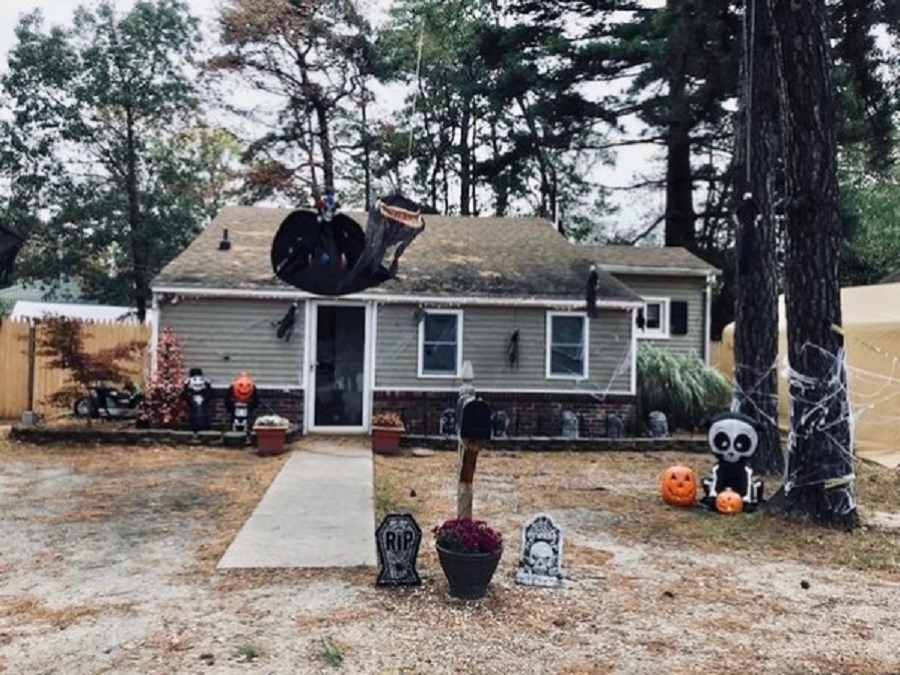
(872, 329)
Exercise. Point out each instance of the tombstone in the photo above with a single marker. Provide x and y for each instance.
(657, 425)
(499, 424)
(474, 418)
(447, 426)
(541, 561)
(569, 424)
(613, 425)
(398, 538)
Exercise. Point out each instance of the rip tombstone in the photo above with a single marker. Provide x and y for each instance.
(541, 561)
(398, 538)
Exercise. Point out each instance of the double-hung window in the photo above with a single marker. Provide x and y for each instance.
(440, 343)
(567, 345)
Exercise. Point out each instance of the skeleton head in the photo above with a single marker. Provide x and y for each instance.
(540, 557)
(733, 437)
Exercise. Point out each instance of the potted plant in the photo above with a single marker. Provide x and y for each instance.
(387, 428)
(271, 433)
(469, 552)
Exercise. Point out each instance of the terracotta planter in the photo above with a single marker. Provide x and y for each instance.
(468, 574)
(386, 440)
(270, 440)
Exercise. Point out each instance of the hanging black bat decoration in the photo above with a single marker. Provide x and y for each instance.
(285, 327)
(327, 253)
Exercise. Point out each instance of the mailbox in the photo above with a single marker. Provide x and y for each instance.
(473, 418)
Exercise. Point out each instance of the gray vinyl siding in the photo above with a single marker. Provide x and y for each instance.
(486, 334)
(686, 289)
(225, 336)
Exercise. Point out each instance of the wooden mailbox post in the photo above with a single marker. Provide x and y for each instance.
(474, 431)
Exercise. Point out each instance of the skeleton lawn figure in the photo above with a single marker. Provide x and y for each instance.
(326, 252)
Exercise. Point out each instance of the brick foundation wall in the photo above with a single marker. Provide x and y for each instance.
(528, 414)
(288, 404)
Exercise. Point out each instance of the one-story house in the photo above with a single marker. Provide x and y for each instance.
(676, 287)
(507, 295)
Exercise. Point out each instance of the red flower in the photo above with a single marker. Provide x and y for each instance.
(464, 535)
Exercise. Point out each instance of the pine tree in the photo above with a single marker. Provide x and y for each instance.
(164, 405)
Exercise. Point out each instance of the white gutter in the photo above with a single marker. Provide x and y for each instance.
(210, 292)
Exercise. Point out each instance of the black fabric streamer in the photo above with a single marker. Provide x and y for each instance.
(286, 325)
(591, 293)
(747, 214)
(512, 350)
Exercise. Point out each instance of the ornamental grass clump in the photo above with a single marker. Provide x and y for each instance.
(464, 535)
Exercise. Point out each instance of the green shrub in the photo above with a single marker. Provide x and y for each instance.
(683, 387)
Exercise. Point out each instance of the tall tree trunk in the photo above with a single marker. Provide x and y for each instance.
(140, 252)
(756, 293)
(819, 475)
(324, 133)
(680, 214)
(465, 163)
(499, 181)
(367, 159)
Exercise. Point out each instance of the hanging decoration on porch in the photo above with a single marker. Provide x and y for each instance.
(327, 253)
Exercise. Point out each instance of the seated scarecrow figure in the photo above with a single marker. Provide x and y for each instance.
(733, 439)
(327, 253)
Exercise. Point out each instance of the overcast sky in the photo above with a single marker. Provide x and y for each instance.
(59, 12)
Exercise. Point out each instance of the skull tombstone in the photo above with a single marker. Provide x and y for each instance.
(541, 560)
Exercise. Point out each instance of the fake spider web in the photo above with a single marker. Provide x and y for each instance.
(831, 411)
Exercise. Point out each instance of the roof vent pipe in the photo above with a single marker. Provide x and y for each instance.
(224, 244)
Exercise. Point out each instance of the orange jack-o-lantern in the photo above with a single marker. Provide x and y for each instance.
(678, 485)
(729, 502)
(242, 388)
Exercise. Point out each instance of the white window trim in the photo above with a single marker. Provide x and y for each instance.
(458, 313)
(548, 345)
(661, 333)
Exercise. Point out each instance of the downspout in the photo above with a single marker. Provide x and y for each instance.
(707, 328)
(634, 347)
(153, 317)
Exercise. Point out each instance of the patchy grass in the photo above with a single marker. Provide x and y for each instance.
(331, 654)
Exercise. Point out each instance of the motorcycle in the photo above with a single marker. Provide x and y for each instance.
(106, 402)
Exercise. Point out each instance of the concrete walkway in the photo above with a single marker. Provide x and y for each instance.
(318, 512)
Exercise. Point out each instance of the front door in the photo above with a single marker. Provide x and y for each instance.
(337, 387)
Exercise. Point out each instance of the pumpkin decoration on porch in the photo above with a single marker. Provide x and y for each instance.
(729, 502)
(678, 485)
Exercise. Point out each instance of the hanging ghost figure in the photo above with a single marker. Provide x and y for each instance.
(327, 253)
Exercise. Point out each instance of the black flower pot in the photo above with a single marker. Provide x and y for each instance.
(468, 574)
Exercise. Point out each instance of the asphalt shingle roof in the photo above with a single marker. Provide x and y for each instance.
(453, 256)
(649, 259)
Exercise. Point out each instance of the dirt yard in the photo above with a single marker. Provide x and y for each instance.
(108, 566)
